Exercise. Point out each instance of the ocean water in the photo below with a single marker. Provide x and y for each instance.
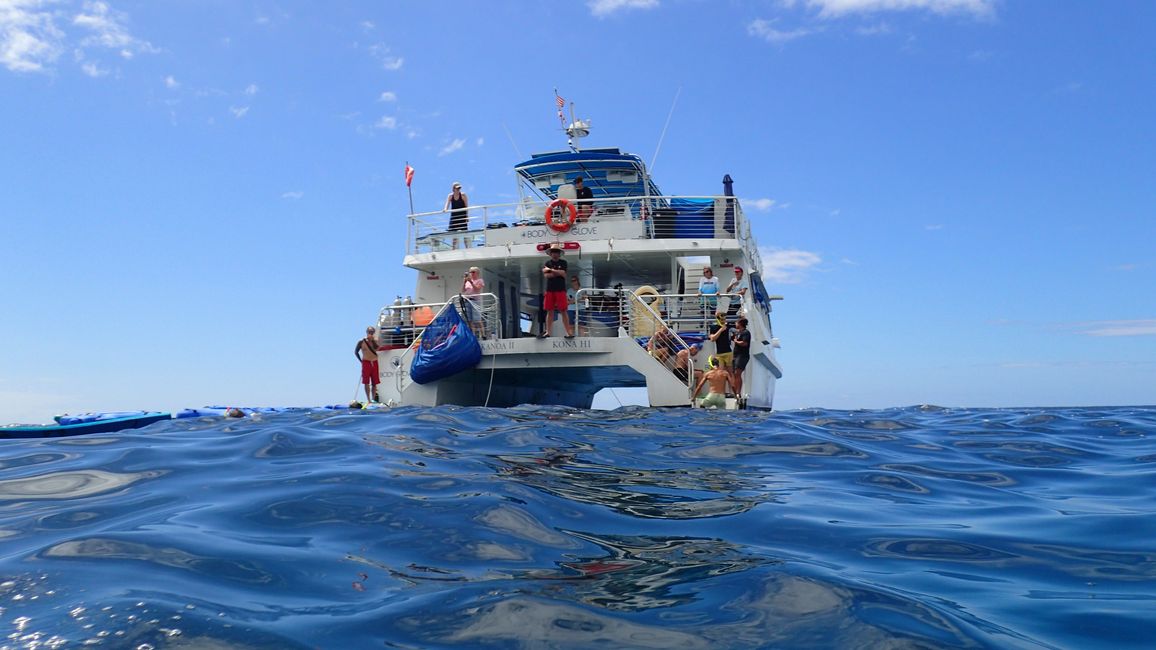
(543, 527)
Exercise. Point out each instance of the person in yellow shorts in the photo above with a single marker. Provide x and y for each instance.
(720, 332)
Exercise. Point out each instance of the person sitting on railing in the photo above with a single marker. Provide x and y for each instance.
(472, 285)
(662, 345)
(584, 195)
(460, 217)
(682, 362)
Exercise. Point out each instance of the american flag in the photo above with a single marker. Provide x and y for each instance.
(561, 104)
(408, 175)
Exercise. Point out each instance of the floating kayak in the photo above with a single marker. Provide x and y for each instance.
(89, 423)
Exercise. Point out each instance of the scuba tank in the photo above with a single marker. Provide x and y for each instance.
(395, 313)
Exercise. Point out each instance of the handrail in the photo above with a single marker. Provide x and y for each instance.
(429, 231)
(397, 317)
(674, 311)
(658, 321)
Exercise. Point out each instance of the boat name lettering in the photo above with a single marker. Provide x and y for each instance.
(497, 345)
(542, 233)
(564, 344)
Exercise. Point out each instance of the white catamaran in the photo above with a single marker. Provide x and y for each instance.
(638, 256)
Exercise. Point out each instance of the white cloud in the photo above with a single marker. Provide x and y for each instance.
(766, 30)
(1119, 328)
(33, 35)
(251, 89)
(386, 122)
(171, 83)
(762, 205)
(381, 52)
(787, 266)
(387, 96)
(481, 141)
(602, 8)
(29, 37)
(107, 30)
(933, 226)
(458, 143)
(840, 8)
(293, 195)
(92, 69)
(238, 111)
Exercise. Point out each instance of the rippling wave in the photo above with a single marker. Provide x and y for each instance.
(543, 527)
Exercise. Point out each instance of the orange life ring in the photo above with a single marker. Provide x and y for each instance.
(559, 226)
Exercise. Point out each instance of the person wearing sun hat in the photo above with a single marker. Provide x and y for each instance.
(555, 300)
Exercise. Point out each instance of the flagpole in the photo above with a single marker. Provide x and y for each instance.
(409, 189)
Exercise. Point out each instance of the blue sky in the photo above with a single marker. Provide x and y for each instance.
(201, 202)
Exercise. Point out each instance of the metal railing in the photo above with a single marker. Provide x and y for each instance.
(400, 325)
(597, 312)
(666, 217)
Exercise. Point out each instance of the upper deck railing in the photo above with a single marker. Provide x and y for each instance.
(640, 217)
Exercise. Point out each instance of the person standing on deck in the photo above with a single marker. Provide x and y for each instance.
(738, 285)
(741, 341)
(472, 286)
(720, 333)
(460, 217)
(708, 290)
(584, 197)
(572, 300)
(555, 300)
(366, 353)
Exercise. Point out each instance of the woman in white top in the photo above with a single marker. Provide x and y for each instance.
(708, 290)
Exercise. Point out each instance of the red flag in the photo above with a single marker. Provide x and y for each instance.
(408, 175)
(559, 101)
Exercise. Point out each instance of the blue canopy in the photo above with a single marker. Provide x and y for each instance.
(608, 172)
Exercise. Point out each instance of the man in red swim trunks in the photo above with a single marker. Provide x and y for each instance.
(366, 353)
(555, 300)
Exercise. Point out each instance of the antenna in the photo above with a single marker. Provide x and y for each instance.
(512, 143)
(577, 130)
(663, 136)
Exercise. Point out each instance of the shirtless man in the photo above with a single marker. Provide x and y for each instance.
(718, 378)
(682, 362)
(366, 353)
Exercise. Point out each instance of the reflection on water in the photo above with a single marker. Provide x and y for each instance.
(68, 485)
(555, 528)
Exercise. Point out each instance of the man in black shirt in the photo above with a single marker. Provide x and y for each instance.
(555, 299)
(742, 344)
(720, 333)
(585, 195)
